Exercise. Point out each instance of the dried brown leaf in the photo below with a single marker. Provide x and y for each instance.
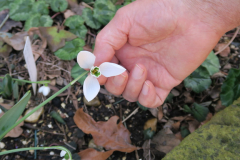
(108, 134)
(193, 125)
(164, 141)
(160, 113)
(219, 47)
(16, 41)
(154, 111)
(68, 13)
(9, 24)
(90, 154)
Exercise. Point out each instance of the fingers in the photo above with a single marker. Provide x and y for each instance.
(136, 80)
(149, 96)
(111, 38)
(117, 84)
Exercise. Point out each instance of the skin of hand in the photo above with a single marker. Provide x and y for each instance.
(159, 42)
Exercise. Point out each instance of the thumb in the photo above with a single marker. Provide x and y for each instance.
(112, 37)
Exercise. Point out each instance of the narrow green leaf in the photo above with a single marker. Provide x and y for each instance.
(6, 86)
(197, 82)
(38, 20)
(20, 10)
(141, 106)
(70, 50)
(15, 90)
(58, 5)
(87, 14)
(57, 116)
(41, 7)
(104, 11)
(12, 115)
(230, 89)
(76, 71)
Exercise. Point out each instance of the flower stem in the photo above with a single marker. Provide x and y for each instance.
(37, 148)
(42, 104)
(26, 81)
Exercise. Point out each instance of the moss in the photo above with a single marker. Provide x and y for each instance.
(219, 139)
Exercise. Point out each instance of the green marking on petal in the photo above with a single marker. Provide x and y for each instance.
(95, 71)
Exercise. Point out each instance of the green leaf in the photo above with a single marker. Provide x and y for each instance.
(36, 20)
(87, 14)
(12, 115)
(88, 1)
(21, 10)
(41, 7)
(186, 109)
(76, 71)
(184, 131)
(55, 37)
(70, 50)
(57, 116)
(202, 71)
(76, 25)
(15, 90)
(104, 11)
(141, 106)
(5, 49)
(148, 134)
(197, 82)
(230, 89)
(4, 4)
(6, 86)
(58, 5)
(199, 112)
(169, 98)
(211, 64)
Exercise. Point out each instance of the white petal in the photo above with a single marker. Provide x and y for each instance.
(85, 59)
(40, 90)
(62, 153)
(111, 69)
(91, 87)
(46, 90)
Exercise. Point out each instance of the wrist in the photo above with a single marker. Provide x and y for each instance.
(221, 15)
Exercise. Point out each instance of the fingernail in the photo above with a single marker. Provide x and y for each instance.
(145, 88)
(137, 72)
(119, 80)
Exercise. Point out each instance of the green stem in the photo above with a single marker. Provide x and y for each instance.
(26, 81)
(42, 104)
(3, 22)
(38, 148)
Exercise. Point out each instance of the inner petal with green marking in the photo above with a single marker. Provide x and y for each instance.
(95, 71)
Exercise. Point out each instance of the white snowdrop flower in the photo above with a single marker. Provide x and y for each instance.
(45, 90)
(62, 154)
(91, 85)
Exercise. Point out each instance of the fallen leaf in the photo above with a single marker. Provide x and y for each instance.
(5, 49)
(165, 142)
(75, 7)
(193, 125)
(68, 13)
(17, 131)
(219, 47)
(154, 111)
(87, 48)
(9, 24)
(176, 126)
(215, 92)
(110, 135)
(160, 113)
(219, 106)
(90, 154)
(188, 97)
(208, 118)
(16, 41)
(56, 38)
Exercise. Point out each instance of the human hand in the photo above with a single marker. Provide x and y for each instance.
(159, 42)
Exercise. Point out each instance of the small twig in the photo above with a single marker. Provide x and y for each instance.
(136, 154)
(62, 129)
(55, 66)
(69, 146)
(4, 21)
(55, 15)
(134, 112)
(234, 36)
(86, 5)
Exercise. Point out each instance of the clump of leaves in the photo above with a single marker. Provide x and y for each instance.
(59, 5)
(71, 49)
(87, 14)
(20, 10)
(200, 79)
(76, 25)
(199, 112)
(230, 90)
(38, 20)
(104, 11)
(41, 7)
(4, 4)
